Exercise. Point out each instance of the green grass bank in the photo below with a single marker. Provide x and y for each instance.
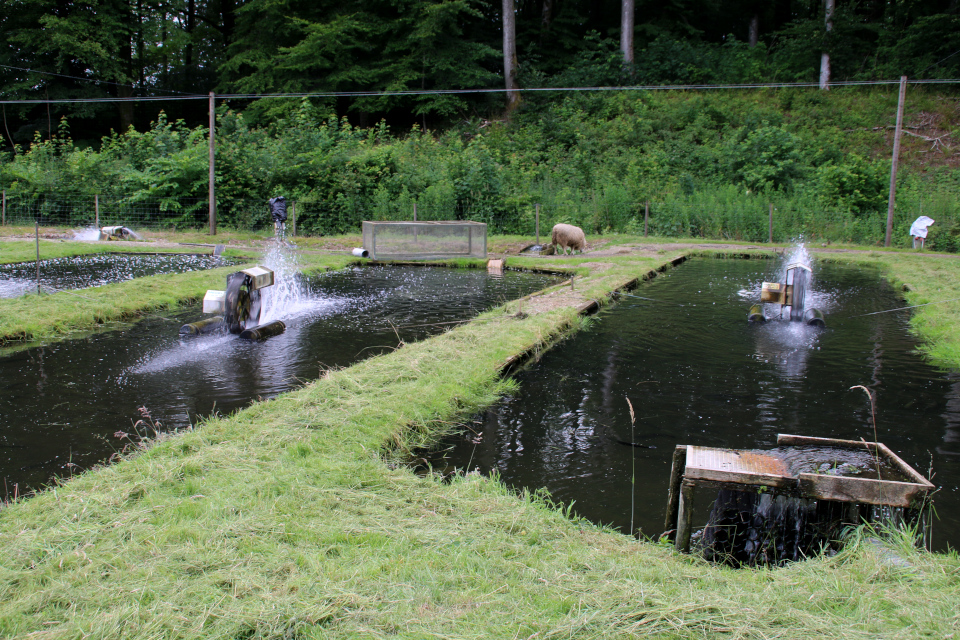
(295, 519)
(56, 315)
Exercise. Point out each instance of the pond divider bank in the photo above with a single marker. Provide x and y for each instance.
(288, 519)
(54, 315)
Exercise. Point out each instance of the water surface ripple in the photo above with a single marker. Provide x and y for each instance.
(62, 403)
(80, 272)
(697, 373)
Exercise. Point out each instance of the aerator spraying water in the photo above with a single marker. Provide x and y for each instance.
(240, 306)
(790, 293)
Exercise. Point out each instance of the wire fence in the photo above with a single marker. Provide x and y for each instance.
(751, 221)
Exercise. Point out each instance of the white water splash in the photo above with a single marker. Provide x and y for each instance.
(86, 235)
(198, 349)
(289, 295)
(798, 254)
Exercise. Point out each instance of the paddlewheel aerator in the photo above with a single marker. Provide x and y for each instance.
(239, 305)
(791, 293)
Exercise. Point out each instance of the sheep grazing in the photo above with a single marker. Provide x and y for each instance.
(567, 235)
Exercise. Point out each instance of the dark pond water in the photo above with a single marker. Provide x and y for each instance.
(697, 373)
(80, 272)
(62, 403)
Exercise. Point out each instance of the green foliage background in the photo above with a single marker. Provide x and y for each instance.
(710, 164)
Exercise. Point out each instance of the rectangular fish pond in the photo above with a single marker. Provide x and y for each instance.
(93, 270)
(64, 402)
(696, 373)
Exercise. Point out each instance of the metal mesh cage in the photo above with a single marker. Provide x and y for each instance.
(425, 240)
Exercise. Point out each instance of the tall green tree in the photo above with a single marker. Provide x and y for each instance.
(366, 46)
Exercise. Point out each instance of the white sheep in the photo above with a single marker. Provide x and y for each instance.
(567, 235)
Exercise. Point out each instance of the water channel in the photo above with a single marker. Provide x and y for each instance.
(63, 402)
(697, 373)
(80, 272)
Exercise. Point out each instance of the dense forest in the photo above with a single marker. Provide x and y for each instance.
(709, 163)
(55, 49)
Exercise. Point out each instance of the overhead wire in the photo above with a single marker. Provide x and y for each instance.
(436, 92)
(94, 80)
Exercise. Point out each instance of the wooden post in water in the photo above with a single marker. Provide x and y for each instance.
(673, 495)
(37, 231)
(211, 188)
(96, 210)
(538, 223)
(896, 159)
(770, 238)
(684, 517)
(646, 218)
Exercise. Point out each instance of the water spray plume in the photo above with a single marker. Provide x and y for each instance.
(288, 291)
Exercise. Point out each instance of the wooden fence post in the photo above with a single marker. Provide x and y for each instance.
(646, 218)
(293, 214)
(96, 210)
(37, 230)
(891, 200)
(211, 188)
(538, 223)
(770, 238)
(3, 219)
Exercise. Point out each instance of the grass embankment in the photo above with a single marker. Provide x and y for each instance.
(922, 279)
(33, 317)
(26, 251)
(288, 519)
(55, 315)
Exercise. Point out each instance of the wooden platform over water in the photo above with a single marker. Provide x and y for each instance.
(896, 484)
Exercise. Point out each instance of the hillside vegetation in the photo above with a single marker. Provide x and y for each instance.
(710, 164)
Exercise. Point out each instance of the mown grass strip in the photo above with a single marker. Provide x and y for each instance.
(921, 279)
(33, 317)
(13, 251)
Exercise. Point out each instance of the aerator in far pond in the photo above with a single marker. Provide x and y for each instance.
(791, 293)
(239, 307)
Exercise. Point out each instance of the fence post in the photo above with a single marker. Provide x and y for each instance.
(293, 212)
(770, 238)
(414, 210)
(646, 218)
(538, 223)
(96, 210)
(891, 200)
(212, 186)
(37, 231)
(3, 219)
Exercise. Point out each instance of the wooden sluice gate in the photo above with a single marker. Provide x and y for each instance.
(790, 502)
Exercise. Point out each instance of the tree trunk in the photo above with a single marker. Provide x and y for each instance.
(141, 63)
(753, 33)
(825, 56)
(510, 54)
(185, 75)
(128, 76)
(228, 9)
(626, 31)
(125, 108)
(546, 16)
